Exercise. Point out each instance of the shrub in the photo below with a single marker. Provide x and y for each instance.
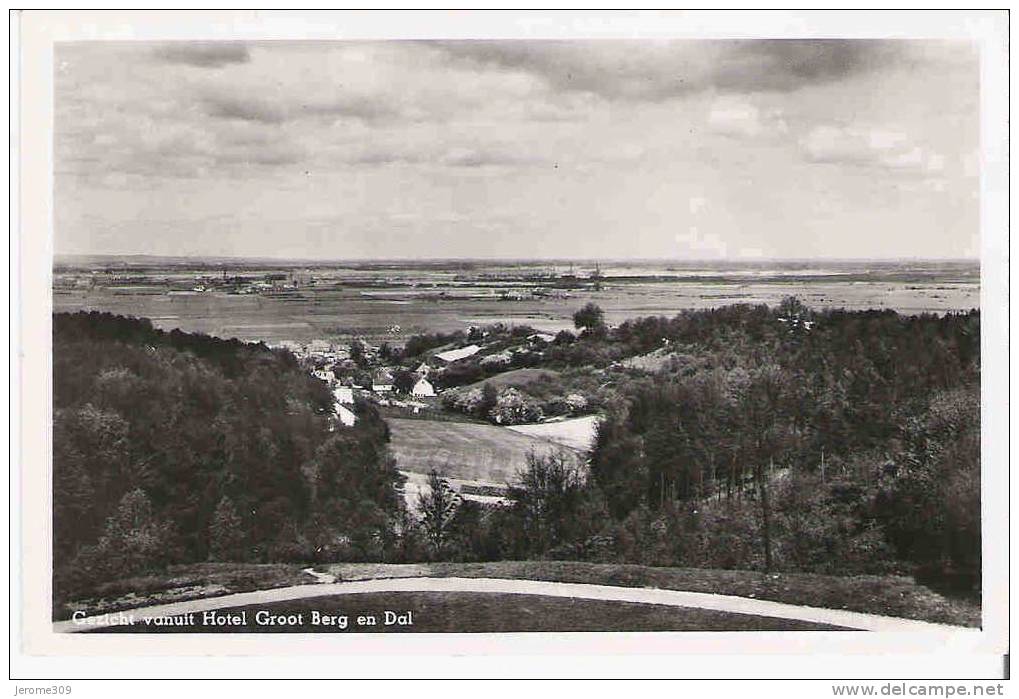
(576, 403)
(133, 541)
(550, 499)
(226, 533)
(513, 408)
(931, 503)
(590, 318)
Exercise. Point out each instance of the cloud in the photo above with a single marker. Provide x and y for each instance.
(271, 154)
(737, 117)
(788, 64)
(869, 147)
(434, 154)
(365, 108)
(243, 109)
(380, 156)
(370, 82)
(480, 157)
(660, 70)
(203, 54)
(181, 144)
(280, 107)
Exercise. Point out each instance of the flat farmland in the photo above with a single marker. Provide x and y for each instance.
(472, 452)
(417, 299)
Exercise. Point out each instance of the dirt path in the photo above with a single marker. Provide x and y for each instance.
(672, 598)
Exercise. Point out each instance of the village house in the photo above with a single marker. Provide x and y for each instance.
(295, 348)
(344, 395)
(346, 416)
(382, 382)
(423, 388)
(325, 375)
(454, 355)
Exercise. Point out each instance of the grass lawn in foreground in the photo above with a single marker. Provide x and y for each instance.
(183, 582)
(473, 612)
(871, 594)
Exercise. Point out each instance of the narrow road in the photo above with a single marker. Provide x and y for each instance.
(671, 598)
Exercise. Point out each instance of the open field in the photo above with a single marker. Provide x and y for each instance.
(397, 300)
(463, 612)
(576, 433)
(484, 453)
(515, 378)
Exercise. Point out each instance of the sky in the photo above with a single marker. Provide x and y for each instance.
(610, 149)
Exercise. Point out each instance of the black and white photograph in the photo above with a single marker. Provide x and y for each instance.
(587, 335)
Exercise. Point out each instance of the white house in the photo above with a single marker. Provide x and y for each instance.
(346, 416)
(344, 394)
(382, 382)
(423, 369)
(325, 375)
(457, 354)
(423, 388)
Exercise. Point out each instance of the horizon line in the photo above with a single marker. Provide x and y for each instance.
(261, 258)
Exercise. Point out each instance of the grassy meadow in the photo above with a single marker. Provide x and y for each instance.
(460, 450)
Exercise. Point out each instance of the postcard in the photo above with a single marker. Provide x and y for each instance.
(512, 332)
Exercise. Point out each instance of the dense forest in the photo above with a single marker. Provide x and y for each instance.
(173, 447)
(767, 438)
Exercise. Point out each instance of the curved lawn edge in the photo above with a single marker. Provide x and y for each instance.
(882, 595)
(672, 598)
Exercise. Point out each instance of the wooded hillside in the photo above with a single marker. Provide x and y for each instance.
(173, 447)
